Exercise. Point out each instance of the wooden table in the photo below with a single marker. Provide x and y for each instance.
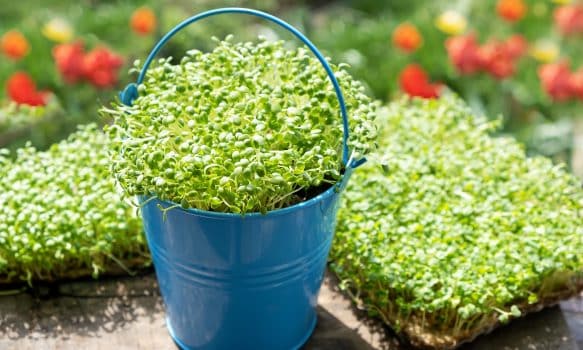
(127, 313)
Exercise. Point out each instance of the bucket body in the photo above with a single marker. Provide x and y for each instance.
(241, 282)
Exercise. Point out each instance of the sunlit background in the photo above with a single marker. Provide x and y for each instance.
(518, 60)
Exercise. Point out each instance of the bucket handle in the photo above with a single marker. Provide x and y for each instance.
(130, 92)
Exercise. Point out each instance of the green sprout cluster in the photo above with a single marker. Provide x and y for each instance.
(62, 214)
(13, 116)
(448, 231)
(247, 127)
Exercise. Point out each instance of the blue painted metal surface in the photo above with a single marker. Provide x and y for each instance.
(242, 282)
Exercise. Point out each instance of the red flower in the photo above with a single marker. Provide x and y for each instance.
(22, 90)
(556, 80)
(406, 37)
(463, 52)
(14, 45)
(569, 19)
(100, 67)
(576, 84)
(415, 82)
(69, 60)
(511, 10)
(496, 59)
(143, 21)
(516, 46)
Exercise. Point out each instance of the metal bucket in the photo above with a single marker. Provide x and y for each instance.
(241, 282)
(232, 281)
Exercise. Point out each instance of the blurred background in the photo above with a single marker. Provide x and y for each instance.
(520, 61)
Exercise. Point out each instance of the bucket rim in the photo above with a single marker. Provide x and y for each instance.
(335, 189)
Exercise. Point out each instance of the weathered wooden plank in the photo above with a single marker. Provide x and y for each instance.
(127, 313)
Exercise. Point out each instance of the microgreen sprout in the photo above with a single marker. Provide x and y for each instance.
(62, 214)
(247, 127)
(447, 230)
(14, 116)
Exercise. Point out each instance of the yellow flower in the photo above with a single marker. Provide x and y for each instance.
(545, 51)
(58, 30)
(451, 22)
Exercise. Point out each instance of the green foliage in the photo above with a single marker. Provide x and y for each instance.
(245, 128)
(104, 23)
(41, 125)
(448, 229)
(14, 117)
(359, 33)
(62, 214)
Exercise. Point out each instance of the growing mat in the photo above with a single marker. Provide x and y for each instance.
(448, 232)
(61, 215)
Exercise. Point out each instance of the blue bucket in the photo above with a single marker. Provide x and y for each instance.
(232, 281)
